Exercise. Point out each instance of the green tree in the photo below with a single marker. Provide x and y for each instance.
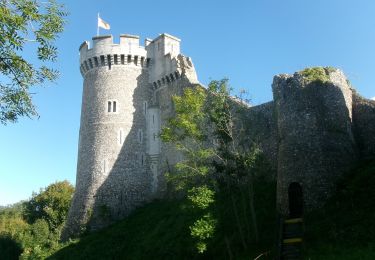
(208, 129)
(26, 27)
(51, 204)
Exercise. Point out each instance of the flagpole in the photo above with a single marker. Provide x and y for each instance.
(97, 23)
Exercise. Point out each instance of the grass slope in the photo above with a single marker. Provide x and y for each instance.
(160, 230)
(345, 227)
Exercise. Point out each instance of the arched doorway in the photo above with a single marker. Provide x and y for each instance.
(295, 197)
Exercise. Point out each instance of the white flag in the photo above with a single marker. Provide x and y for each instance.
(103, 24)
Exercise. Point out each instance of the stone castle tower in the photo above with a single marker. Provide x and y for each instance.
(119, 148)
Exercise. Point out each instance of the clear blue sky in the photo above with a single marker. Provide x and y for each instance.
(247, 41)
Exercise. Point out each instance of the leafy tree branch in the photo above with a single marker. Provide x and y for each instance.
(27, 26)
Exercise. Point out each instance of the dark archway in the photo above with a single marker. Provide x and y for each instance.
(295, 196)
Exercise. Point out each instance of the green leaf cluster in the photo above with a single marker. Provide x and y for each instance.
(31, 229)
(26, 26)
(51, 204)
(203, 229)
(317, 74)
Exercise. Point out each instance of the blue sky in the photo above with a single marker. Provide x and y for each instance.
(247, 41)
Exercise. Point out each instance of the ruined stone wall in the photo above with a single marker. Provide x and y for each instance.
(261, 129)
(316, 144)
(364, 125)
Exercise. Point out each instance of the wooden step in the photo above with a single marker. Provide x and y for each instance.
(293, 220)
(292, 240)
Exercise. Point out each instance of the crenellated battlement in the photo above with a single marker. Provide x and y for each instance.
(165, 80)
(106, 53)
(113, 60)
(160, 54)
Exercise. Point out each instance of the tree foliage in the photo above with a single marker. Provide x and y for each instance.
(31, 229)
(26, 27)
(208, 130)
(50, 204)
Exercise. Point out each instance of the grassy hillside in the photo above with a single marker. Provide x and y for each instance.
(345, 227)
(160, 231)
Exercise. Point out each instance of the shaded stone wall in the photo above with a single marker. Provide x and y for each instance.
(364, 125)
(262, 130)
(316, 143)
(110, 147)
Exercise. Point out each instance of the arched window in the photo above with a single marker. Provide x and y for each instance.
(295, 197)
(109, 106)
(114, 106)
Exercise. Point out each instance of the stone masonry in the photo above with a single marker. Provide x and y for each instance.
(312, 132)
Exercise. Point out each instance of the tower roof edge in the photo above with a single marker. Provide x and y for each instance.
(102, 37)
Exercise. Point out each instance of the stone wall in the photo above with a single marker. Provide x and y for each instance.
(364, 125)
(316, 144)
(262, 130)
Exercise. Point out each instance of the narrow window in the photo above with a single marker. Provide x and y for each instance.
(145, 107)
(114, 106)
(109, 61)
(90, 62)
(96, 61)
(109, 106)
(115, 59)
(136, 60)
(105, 166)
(153, 119)
(120, 136)
(142, 159)
(172, 78)
(102, 62)
(154, 136)
(140, 136)
(129, 58)
(122, 59)
(177, 75)
(148, 62)
(142, 61)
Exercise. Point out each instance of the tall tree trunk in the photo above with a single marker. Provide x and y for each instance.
(238, 222)
(227, 243)
(252, 210)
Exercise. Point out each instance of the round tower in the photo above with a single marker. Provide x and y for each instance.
(113, 174)
(316, 144)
